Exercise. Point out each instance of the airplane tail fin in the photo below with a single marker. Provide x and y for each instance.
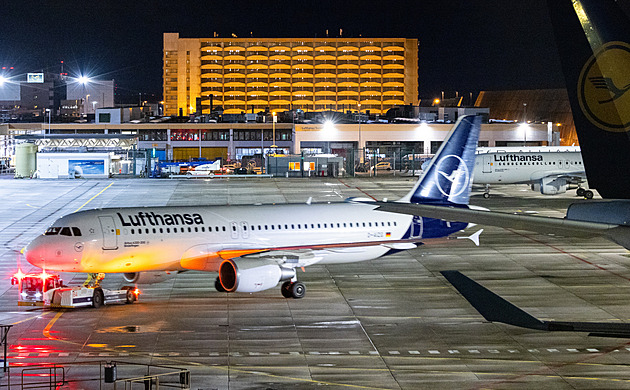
(448, 178)
(593, 40)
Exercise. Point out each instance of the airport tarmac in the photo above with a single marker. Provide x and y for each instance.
(391, 323)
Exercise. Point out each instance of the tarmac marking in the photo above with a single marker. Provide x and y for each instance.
(413, 353)
(92, 198)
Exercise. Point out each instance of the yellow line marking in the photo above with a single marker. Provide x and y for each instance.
(92, 198)
(50, 325)
(31, 318)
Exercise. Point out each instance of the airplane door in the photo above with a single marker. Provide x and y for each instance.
(416, 227)
(487, 164)
(234, 230)
(110, 236)
(245, 229)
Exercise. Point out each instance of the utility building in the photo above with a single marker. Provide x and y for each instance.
(278, 74)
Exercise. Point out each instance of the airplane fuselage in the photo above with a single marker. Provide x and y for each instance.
(176, 238)
(497, 166)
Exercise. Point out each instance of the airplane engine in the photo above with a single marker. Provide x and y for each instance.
(551, 186)
(248, 275)
(148, 277)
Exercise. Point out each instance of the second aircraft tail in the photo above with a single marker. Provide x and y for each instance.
(593, 40)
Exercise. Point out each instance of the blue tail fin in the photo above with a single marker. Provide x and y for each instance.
(593, 40)
(448, 178)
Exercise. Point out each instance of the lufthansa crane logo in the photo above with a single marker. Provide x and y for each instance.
(451, 175)
(604, 87)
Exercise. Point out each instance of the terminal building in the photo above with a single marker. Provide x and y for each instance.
(279, 74)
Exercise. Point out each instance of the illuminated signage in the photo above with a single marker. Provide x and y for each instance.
(34, 77)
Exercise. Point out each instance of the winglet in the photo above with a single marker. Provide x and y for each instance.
(491, 306)
(473, 237)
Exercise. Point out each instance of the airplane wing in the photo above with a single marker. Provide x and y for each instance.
(496, 309)
(546, 225)
(204, 258)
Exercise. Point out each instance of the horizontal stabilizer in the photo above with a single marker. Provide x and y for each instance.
(496, 309)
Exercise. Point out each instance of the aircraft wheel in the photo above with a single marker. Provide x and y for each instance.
(588, 194)
(286, 289)
(580, 191)
(218, 285)
(486, 195)
(130, 296)
(298, 290)
(98, 299)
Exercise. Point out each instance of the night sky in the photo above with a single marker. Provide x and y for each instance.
(465, 45)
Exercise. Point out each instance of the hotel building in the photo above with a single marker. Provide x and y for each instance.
(279, 74)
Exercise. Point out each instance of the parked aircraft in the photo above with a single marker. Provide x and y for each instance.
(253, 248)
(548, 169)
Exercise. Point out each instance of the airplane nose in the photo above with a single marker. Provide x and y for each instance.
(35, 253)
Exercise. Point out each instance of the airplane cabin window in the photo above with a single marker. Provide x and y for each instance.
(146, 231)
(161, 230)
(196, 229)
(154, 231)
(168, 230)
(286, 226)
(132, 231)
(76, 231)
(203, 229)
(65, 231)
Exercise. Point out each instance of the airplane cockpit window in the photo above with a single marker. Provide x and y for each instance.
(65, 231)
(76, 231)
(52, 231)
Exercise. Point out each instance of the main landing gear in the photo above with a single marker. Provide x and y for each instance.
(294, 290)
(486, 193)
(587, 194)
(289, 289)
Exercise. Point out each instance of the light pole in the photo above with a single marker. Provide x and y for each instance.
(87, 99)
(49, 111)
(359, 146)
(273, 126)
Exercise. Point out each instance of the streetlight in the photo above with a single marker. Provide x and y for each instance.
(360, 149)
(94, 106)
(87, 99)
(273, 141)
(49, 111)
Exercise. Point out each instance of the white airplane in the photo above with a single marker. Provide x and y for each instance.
(253, 248)
(548, 169)
(205, 169)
